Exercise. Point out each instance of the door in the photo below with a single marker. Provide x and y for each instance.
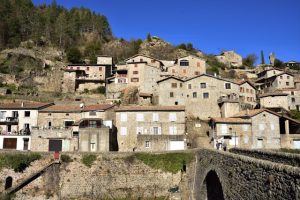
(260, 143)
(176, 145)
(10, 143)
(296, 144)
(8, 128)
(26, 144)
(93, 147)
(55, 145)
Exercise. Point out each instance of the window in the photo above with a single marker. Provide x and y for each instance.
(288, 77)
(180, 84)
(173, 71)
(293, 100)
(135, 65)
(147, 144)
(123, 117)
(134, 79)
(172, 130)
(78, 68)
(141, 60)
(292, 93)
(87, 68)
(156, 130)
(184, 63)
(27, 114)
(174, 85)
(189, 86)
(247, 90)
(2, 114)
(92, 113)
(49, 124)
(75, 134)
(152, 61)
(205, 95)
(92, 124)
(280, 77)
(68, 124)
(135, 72)
(184, 71)
(198, 64)
(172, 117)
(202, 85)
(139, 130)
(67, 114)
(241, 89)
(123, 130)
(100, 68)
(274, 72)
(139, 117)
(197, 73)
(227, 85)
(155, 117)
(194, 94)
(49, 114)
(287, 83)
(171, 94)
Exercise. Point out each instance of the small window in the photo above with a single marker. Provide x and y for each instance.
(139, 117)
(172, 117)
(173, 71)
(100, 68)
(155, 117)
(147, 144)
(202, 85)
(135, 72)
(141, 60)
(227, 85)
(292, 93)
(198, 64)
(189, 86)
(274, 72)
(135, 65)
(197, 73)
(75, 134)
(152, 61)
(87, 68)
(123, 117)
(171, 94)
(27, 114)
(194, 94)
(247, 90)
(67, 114)
(49, 114)
(287, 83)
(92, 113)
(205, 95)
(184, 71)
(134, 80)
(123, 130)
(288, 77)
(78, 68)
(293, 100)
(184, 63)
(280, 77)
(156, 130)
(174, 85)
(180, 84)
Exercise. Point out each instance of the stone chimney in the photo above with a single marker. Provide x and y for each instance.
(22, 104)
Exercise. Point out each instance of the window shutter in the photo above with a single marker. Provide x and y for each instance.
(159, 130)
(123, 130)
(123, 117)
(171, 130)
(172, 117)
(151, 130)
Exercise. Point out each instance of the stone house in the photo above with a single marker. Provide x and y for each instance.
(247, 93)
(230, 58)
(268, 83)
(199, 94)
(80, 77)
(274, 100)
(16, 123)
(140, 58)
(75, 128)
(269, 72)
(188, 66)
(293, 98)
(151, 128)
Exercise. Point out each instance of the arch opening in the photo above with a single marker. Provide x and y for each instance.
(8, 182)
(212, 187)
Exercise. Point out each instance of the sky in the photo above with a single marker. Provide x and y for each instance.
(212, 26)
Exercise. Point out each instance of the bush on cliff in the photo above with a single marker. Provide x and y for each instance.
(19, 162)
(88, 159)
(169, 162)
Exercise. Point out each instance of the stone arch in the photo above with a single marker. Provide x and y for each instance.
(211, 187)
(8, 182)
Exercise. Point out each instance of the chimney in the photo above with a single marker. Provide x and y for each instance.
(22, 104)
(247, 111)
(81, 105)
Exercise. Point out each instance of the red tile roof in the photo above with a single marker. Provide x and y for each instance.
(24, 105)
(76, 108)
(150, 108)
(272, 94)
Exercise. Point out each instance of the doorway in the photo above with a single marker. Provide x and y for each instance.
(8, 182)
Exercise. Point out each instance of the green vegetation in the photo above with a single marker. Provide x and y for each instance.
(262, 57)
(278, 63)
(88, 159)
(99, 90)
(295, 114)
(19, 162)
(74, 55)
(214, 64)
(249, 60)
(66, 158)
(169, 162)
(296, 151)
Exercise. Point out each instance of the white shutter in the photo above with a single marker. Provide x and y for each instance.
(123, 130)
(171, 130)
(159, 130)
(155, 117)
(123, 117)
(223, 128)
(139, 117)
(175, 130)
(172, 117)
(139, 130)
(151, 130)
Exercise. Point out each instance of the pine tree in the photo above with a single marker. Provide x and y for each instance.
(262, 57)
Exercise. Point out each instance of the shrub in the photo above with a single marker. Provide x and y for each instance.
(18, 162)
(66, 158)
(88, 159)
(169, 162)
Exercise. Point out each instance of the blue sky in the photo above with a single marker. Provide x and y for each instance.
(211, 25)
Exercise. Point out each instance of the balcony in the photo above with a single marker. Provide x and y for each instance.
(229, 98)
(9, 121)
(16, 133)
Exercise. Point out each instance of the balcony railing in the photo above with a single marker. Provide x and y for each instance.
(9, 119)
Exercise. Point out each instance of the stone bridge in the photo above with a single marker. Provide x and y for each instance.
(244, 174)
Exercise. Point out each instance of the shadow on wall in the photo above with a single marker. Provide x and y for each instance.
(212, 187)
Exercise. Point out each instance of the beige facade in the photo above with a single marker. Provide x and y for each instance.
(150, 128)
(199, 95)
(247, 93)
(274, 100)
(279, 81)
(293, 98)
(139, 58)
(230, 58)
(188, 66)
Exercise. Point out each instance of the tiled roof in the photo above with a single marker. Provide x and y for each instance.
(150, 108)
(231, 120)
(76, 108)
(240, 82)
(251, 113)
(24, 105)
(273, 94)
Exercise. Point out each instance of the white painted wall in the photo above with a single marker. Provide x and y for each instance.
(20, 141)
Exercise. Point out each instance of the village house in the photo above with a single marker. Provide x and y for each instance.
(139, 71)
(16, 123)
(260, 128)
(274, 100)
(85, 77)
(293, 98)
(151, 128)
(188, 66)
(247, 93)
(230, 58)
(75, 128)
(293, 64)
(199, 94)
(273, 79)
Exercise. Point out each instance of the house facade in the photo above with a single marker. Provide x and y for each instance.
(151, 128)
(274, 100)
(247, 93)
(230, 58)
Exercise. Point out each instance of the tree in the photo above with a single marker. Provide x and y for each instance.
(149, 38)
(278, 63)
(74, 55)
(262, 57)
(250, 60)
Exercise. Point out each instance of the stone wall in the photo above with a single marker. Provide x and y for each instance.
(232, 176)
